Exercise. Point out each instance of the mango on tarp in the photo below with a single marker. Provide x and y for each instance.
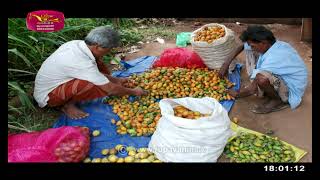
(238, 130)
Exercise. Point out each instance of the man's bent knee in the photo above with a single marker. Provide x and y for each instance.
(74, 90)
(262, 80)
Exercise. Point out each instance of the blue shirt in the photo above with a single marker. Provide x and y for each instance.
(283, 60)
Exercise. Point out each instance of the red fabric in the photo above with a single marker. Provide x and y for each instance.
(64, 144)
(179, 57)
(75, 90)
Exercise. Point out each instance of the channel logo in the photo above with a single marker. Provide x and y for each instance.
(45, 21)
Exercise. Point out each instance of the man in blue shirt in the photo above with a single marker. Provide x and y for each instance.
(277, 72)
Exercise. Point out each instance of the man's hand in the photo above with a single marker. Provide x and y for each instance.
(225, 67)
(116, 80)
(223, 70)
(233, 93)
(139, 91)
(122, 81)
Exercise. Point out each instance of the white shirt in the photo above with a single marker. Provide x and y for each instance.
(71, 60)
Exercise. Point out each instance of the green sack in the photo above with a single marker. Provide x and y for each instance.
(183, 39)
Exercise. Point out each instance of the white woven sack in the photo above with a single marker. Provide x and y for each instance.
(215, 53)
(184, 140)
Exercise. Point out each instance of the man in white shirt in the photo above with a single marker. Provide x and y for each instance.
(75, 72)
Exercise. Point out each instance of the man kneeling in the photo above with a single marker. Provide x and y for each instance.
(275, 68)
(75, 72)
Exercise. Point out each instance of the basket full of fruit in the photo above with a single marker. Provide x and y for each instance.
(214, 43)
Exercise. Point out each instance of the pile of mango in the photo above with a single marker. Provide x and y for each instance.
(176, 82)
(210, 34)
(133, 155)
(140, 117)
(181, 111)
(247, 147)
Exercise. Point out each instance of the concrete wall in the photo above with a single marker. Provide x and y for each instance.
(291, 21)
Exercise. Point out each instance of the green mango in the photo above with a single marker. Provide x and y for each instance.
(253, 159)
(246, 152)
(131, 131)
(232, 149)
(287, 152)
(277, 148)
(277, 151)
(263, 157)
(287, 159)
(255, 156)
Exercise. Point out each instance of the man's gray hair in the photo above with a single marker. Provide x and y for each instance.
(104, 36)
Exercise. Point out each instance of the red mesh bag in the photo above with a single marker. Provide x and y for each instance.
(179, 57)
(64, 144)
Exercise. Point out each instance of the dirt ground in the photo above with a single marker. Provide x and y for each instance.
(292, 126)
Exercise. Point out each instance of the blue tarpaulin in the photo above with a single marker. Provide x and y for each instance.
(101, 113)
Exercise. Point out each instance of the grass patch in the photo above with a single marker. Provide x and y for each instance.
(26, 121)
(153, 32)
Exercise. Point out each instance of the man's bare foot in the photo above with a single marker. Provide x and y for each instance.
(265, 100)
(73, 112)
(273, 103)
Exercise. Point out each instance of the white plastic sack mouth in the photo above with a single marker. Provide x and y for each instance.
(184, 140)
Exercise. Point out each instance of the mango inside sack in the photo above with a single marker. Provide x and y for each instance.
(183, 112)
(210, 34)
